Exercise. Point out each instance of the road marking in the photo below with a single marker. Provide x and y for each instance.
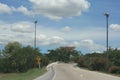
(54, 72)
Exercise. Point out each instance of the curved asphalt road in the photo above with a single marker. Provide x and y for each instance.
(70, 72)
(63, 71)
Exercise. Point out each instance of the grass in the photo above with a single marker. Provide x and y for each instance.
(30, 75)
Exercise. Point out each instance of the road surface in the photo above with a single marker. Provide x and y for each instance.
(63, 71)
(48, 76)
(70, 72)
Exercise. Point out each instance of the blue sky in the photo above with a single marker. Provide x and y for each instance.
(79, 23)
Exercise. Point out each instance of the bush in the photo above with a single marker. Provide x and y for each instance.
(21, 60)
(81, 62)
(99, 64)
(44, 61)
(114, 69)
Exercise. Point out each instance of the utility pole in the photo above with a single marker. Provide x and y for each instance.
(35, 35)
(107, 16)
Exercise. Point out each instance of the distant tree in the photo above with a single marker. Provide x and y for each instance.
(18, 58)
(24, 58)
(0, 54)
(53, 55)
(44, 61)
(64, 54)
(114, 56)
(10, 48)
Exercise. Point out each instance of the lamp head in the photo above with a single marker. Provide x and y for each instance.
(35, 22)
(106, 14)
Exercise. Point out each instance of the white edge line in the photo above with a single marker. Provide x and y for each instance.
(54, 72)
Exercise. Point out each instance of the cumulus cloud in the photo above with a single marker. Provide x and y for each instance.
(41, 37)
(23, 10)
(5, 8)
(66, 29)
(23, 27)
(88, 44)
(46, 41)
(56, 40)
(50, 36)
(58, 9)
(53, 9)
(16, 32)
(115, 27)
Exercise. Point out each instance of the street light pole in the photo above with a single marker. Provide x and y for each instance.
(35, 35)
(107, 16)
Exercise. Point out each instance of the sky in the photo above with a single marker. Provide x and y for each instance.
(78, 23)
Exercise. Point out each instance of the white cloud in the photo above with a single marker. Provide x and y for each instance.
(23, 27)
(16, 32)
(88, 41)
(91, 45)
(5, 8)
(46, 36)
(88, 45)
(53, 9)
(42, 37)
(58, 9)
(115, 27)
(56, 40)
(46, 41)
(23, 10)
(9, 33)
(66, 29)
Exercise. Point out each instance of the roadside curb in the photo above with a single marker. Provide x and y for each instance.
(51, 65)
(49, 75)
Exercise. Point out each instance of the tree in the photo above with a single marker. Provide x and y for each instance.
(0, 54)
(24, 58)
(64, 54)
(67, 53)
(53, 55)
(10, 48)
(114, 56)
(18, 58)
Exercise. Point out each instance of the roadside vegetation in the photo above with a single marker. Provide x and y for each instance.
(16, 59)
(106, 62)
(29, 75)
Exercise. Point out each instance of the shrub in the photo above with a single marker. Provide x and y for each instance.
(81, 62)
(99, 64)
(114, 69)
(44, 61)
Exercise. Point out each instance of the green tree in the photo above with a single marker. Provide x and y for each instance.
(64, 54)
(24, 58)
(53, 55)
(114, 56)
(18, 58)
(10, 48)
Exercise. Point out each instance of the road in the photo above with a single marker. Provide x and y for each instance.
(48, 76)
(70, 72)
(64, 71)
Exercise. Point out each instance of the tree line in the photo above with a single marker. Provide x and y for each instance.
(108, 62)
(17, 58)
